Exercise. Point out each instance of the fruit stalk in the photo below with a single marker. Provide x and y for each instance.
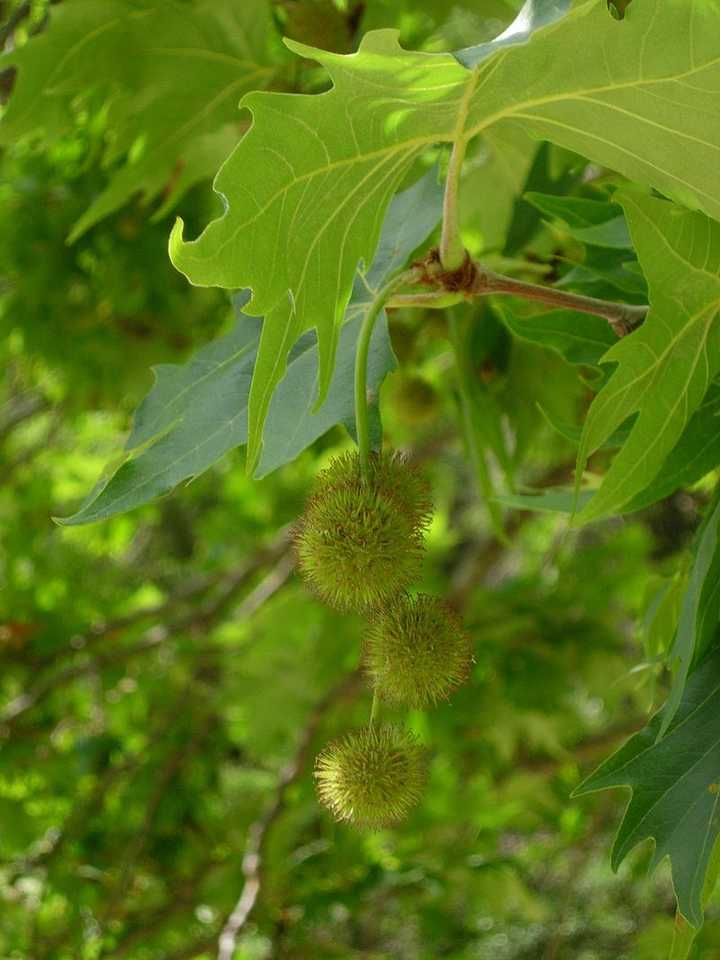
(406, 277)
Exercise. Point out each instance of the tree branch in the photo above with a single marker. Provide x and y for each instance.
(209, 613)
(472, 280)
(252, 862)
(622, 317)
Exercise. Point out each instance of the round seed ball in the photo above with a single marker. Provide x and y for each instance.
(371, 777)
(416, 651)
(360, 541)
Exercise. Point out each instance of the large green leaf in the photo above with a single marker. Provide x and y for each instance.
(172, 73)
(675, 783)
(665, 367)
(197, 412)
(307, 187)
(292, 425)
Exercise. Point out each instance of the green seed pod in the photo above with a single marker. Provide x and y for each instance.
(360, 542)
(371, 777)
(416, 651)
(415, 399)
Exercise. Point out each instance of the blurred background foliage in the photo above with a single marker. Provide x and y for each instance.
(167, 680)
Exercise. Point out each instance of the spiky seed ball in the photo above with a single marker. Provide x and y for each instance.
(360, 542)
(371, 777)
(416, 651)
(415, 399)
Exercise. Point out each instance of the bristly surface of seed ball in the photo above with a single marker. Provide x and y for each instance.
(416, 651)
(360, 542)
(371, 777)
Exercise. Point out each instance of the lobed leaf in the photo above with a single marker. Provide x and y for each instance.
(307, 187)
(665, 367)
(172, 75)
(695, 454)
(675, 783)
(197, 412)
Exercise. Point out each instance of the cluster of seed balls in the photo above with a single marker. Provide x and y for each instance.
(360, 546)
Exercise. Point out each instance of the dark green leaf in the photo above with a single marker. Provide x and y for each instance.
(675, 783)
(699, 614)
(576, 212)
(578, 337)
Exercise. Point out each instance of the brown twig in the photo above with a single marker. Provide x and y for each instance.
(475, 280)
(622, 317)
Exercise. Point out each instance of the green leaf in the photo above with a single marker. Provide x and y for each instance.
(307, 187)
(479, 415)
(613, 233)
(172, 75)
(574, 434)
(675, 783)
(291, 425)
(575, 211)
(578, 337)
(594, 222)
(559, 500)
(665, 367)
(197, 412)
(193, 415)
(640, 97)
(493, 179)
(695, 455)
(607, 275)
(699, 614)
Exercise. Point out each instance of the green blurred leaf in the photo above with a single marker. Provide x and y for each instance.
(559, 500)
(172, 74)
